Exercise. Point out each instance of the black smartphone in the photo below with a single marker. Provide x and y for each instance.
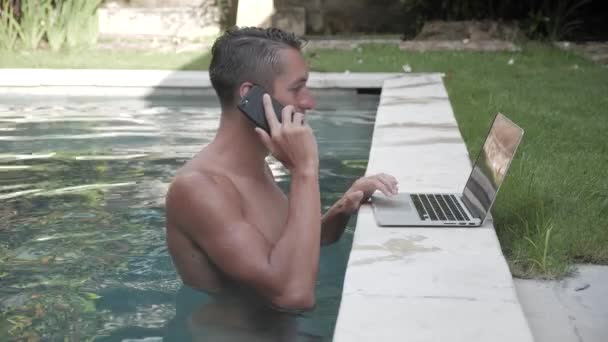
(252, 106)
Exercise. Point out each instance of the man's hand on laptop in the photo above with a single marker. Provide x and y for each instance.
(364, 187)
(336, 218)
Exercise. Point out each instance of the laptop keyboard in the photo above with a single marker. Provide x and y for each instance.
(439, 207)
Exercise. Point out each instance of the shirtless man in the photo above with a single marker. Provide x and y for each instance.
(229, 226)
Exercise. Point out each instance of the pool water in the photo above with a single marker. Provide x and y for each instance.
(82, 230)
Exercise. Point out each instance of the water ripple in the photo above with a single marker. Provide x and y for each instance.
(82, 217)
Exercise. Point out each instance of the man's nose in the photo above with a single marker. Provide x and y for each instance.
(307, 101)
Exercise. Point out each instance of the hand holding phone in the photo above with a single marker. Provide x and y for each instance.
(252, 106)
(292, 141)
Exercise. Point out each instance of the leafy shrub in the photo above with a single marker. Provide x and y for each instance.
(9, 26)
(550, 19)
(62, 22)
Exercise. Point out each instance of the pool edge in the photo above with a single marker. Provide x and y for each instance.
(145, 83)
(425, 284)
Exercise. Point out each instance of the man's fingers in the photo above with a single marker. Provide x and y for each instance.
(286, 116)
(379, 185)
(271, 116)
(389, 181)
(391, 178)
(298, 119)
(388, 178)
(372, 183)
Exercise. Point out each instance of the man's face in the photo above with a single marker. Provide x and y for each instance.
(290, 87)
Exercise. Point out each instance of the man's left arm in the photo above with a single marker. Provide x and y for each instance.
(334, 221)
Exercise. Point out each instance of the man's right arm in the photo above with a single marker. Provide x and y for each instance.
(209, 209)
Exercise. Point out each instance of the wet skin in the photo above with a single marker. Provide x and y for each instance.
(227, 217)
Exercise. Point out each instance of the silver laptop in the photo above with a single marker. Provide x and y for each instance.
(468, 208)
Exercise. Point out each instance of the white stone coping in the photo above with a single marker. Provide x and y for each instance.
(94, 82)
(425, 284)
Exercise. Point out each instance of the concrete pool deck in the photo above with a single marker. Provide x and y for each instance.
(414, 284)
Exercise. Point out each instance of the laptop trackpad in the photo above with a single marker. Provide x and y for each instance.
(395, 210)
(400, 201)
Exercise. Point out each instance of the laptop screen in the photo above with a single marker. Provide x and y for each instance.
(491, 165)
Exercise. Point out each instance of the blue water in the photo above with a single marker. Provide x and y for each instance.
(82, 184)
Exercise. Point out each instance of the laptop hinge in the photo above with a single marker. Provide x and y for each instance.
(472, 209)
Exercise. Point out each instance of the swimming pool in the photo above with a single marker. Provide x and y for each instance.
(82, 184)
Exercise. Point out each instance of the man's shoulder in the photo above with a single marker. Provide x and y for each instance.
(194, 181)
(203, 187)
(190, 177)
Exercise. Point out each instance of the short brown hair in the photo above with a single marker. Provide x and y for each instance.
(248, 54)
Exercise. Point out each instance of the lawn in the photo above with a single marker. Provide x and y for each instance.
(553, 208)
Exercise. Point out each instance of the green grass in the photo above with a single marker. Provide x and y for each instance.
(103, 59)
(553, 208)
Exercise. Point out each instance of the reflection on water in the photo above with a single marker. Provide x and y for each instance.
(200, 317)
(82, 184)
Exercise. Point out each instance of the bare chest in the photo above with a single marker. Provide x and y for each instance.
(265, 206)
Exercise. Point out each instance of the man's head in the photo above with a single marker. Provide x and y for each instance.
(268, 57)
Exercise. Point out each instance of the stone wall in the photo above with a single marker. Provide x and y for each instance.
(347, 16)
(190, 19)
(158, 3)
(200, 18)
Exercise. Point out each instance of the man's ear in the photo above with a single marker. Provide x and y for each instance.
(244, 88)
